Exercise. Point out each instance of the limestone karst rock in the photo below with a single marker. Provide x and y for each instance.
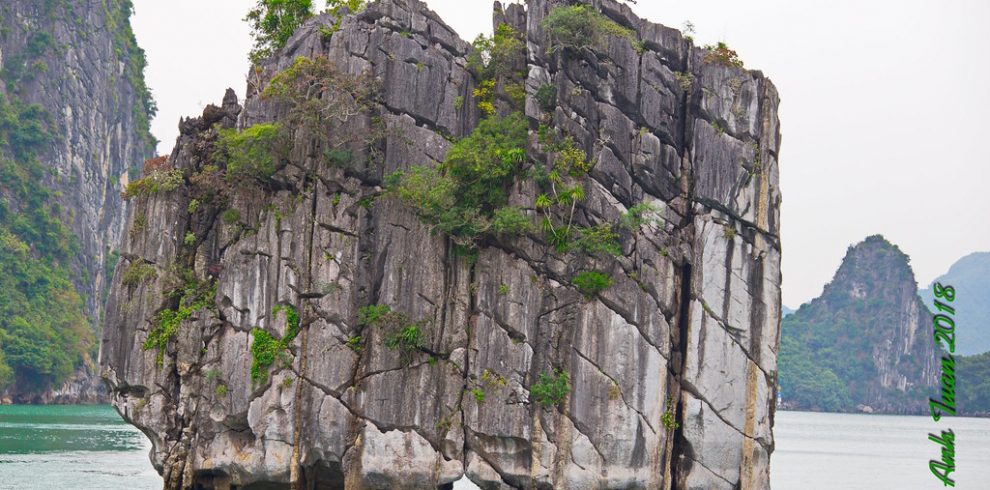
(671, 368)
(866, 343)
(77, 69)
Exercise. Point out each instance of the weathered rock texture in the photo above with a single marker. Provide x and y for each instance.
(691, 319)
(872, 330)
(88, 78)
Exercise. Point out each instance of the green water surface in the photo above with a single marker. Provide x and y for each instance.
(72, 446)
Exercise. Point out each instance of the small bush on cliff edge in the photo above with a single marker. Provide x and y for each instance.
(138, 272)
(264, 349)
(722, 55)
(578, 26)
(599, 239)
(161, 180)
(498, 64)
(492, 57)
(255, 153)
(546, 97)
(335, 7)
(591, 282)
(371, 314)
(409, 338)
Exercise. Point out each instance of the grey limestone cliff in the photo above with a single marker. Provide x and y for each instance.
(688, 328)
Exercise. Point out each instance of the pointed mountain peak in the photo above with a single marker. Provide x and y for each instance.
(873, 268)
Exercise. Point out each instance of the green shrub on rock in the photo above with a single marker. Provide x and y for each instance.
(599, 239)
(265, 348)
(591, 282)
(253, 154)
(479, 395)
(321, 102)
(722, 55)
(138, 272)
(371, 314)
(195, 296)
(578, 26)
(231, 216)
(492, 57)
(466, 194)
(426, 190)
(668, 417)
(335, 7)
(273, 22)
(511, 220)
(399, 331)
(159, 181)
(638, 215)
(408, 338)
(498, 64)
(546, 97)
(551, 389)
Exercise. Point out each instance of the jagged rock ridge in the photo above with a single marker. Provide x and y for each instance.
(689, 326)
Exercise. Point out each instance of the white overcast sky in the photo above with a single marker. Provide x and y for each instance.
(884, 108)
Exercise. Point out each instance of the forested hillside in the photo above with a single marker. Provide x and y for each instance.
(74, 113)
(866, 342)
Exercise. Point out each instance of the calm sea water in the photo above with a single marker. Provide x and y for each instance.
(72, 447)
(87, 447)
(867, 452)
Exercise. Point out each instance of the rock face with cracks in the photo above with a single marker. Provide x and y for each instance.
(671, 369)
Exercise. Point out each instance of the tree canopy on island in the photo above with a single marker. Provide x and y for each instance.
(274, 21)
